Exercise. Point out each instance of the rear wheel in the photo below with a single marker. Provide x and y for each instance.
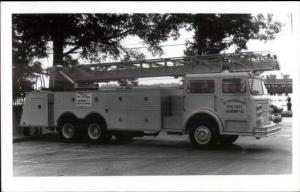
(67, 131)
(97, 133)
(202, 135)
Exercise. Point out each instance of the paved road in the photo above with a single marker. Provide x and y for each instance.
(162, 155)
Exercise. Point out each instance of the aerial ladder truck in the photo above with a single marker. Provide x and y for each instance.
(221, 98)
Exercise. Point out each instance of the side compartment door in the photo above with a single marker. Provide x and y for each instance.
(144, 111)
(134, 110)
(117, 109)
(35, 110)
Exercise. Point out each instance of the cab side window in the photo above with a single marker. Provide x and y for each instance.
(201, 86)
(235, 85)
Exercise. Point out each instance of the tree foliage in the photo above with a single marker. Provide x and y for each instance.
(24, 66)
(96, 37)
(216, 32)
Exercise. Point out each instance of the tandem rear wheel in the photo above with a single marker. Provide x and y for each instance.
(67, 131)
(96, 132)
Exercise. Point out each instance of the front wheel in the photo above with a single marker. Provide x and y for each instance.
(201, 135)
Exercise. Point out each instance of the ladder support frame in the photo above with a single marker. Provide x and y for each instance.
(175, 66)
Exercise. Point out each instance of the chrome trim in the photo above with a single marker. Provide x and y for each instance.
(267, 130)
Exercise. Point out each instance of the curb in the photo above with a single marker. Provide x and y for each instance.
(24, 138)
(21, 138)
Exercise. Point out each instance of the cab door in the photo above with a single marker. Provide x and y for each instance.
(233, 105)
(200, 95)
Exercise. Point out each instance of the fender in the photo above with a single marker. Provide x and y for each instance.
(72, 113)
(208, 112)
(64, 113)
(97, 113)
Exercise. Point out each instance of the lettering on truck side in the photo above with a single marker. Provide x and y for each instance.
(83, 99)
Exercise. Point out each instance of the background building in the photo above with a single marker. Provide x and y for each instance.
(280, 86)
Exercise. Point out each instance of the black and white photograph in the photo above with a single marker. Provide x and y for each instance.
(150, 96)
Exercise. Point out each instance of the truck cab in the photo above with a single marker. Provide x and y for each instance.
(235, 104)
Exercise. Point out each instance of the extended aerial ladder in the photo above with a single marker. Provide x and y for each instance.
(82, 75)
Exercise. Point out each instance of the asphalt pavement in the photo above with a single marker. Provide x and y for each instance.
(161, 155)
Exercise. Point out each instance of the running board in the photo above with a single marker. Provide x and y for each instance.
(174, 133)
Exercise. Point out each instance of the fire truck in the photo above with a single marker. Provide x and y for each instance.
(221, 97)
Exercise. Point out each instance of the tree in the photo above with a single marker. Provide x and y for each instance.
(24, 66)
(216, 32)
(92, 36)
(96, 37)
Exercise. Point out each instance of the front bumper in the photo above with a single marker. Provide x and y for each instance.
(267, 130)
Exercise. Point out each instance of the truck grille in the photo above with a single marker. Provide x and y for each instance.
(264, 112)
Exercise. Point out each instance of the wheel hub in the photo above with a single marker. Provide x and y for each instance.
(94, 131)
(68, 130)
(202, 134)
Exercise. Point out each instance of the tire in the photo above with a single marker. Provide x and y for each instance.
(97, 133)
(67, 131)
(228, 139)
(202, 135)
(124, 138)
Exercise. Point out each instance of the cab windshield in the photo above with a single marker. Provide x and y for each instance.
(257, 86)
(233, 85)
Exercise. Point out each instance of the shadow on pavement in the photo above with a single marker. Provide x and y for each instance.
(149, 143)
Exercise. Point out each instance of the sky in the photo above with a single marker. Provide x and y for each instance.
(175, 48)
